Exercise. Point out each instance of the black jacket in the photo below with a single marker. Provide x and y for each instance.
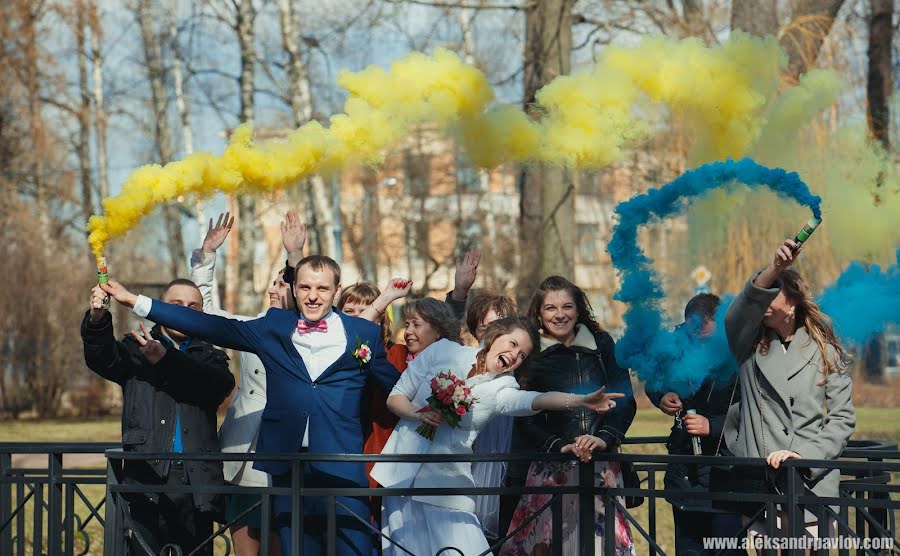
(711, 400)
(587, 365)
(197, 380)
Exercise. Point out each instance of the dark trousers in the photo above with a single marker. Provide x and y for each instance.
(692, 527)
(172, 520)
(352, 536)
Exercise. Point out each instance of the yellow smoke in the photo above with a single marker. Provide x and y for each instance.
(727, 96)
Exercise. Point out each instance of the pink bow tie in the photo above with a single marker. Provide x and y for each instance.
(409, 357)
(304, 327)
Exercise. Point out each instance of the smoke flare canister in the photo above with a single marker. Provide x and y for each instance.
(695, 440)
(103, 278)
(806, 231)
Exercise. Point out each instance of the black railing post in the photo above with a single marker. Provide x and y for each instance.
(556, 511)
(331, 525)
(609, 524)
(297, 517)
(69, 520)
(795, 513)
(265, 508)
(6, 502)
(586, 515)
(651, 506)
(20, 520)
(54, 503)
(37, 536)
(113, 530)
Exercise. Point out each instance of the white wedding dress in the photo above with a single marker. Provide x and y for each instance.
(423, 525)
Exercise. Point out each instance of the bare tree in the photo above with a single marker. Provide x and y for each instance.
(299, 96)
(803, 36)
(757, 17)
(879, 86)
(156, 74)
(547, 207)
(242, 297)
(100, 116)
(84, 110)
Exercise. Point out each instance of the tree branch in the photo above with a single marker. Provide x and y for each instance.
(463, 5)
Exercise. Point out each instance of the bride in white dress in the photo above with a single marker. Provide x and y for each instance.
(423, 525)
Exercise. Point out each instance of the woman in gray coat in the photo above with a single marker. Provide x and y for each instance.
(795, 401)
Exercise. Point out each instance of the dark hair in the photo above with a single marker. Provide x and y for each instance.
(365, 293)
(319, 263)
(702, 305)
(483, 303)
(179, 282)
(508, 324)
(438, 314)
(583, 306)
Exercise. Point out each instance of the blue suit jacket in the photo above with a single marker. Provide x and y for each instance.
(331, 403)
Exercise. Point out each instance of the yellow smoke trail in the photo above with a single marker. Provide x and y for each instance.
(587, 120)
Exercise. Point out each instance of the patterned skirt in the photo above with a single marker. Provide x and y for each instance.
(536, 537)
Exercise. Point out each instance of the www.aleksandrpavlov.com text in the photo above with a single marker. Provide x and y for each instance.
(801, 543)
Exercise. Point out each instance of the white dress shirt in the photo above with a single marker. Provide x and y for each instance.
(319, 350)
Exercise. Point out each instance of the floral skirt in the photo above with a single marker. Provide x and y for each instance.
(536, 537)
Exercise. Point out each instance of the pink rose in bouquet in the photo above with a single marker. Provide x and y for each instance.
(451, 398)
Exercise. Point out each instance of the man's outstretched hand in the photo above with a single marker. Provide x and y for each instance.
(118, 292)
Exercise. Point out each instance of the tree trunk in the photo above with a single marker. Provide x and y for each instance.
(547, 209)
(878, 84)
(319, 206)
(803, 37)
(99, 108)
(757, 17)
(248, 302)
(163, 139)
(30, 14)
(187, 135)
(84, 114)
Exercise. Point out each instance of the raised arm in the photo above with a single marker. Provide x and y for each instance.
(221, 331)
(463, 280)
(397, 288)
(745, 314)
(102, 353)
(203, 260)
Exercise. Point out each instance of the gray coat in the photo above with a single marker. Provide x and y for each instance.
(797, 412)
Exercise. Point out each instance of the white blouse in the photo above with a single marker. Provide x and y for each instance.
(494, 395)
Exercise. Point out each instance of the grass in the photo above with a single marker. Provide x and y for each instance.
(872, 423)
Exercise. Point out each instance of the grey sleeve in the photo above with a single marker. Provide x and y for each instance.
(744, 317)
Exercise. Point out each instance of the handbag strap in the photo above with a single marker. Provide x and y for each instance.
(730, 401)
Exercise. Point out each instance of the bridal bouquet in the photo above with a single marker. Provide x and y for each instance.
(451, 397)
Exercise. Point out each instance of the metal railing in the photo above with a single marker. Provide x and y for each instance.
(41, 501)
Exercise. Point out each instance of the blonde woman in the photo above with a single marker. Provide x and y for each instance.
(795, 401)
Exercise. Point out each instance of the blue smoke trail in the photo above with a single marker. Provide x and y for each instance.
(863, 300)
(672, 360)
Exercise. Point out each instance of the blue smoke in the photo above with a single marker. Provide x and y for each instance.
(863, 300)
(675, 360)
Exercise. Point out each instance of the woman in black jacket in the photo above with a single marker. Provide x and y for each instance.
(576, 356)
(695, 518)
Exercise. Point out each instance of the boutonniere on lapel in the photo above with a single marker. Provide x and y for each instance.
(362, 353)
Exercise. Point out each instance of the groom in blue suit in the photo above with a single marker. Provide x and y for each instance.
(315, 378)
